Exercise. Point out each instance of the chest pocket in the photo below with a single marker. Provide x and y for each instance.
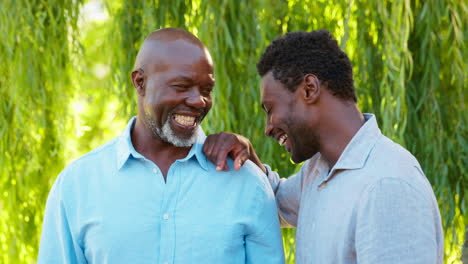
(218, 244)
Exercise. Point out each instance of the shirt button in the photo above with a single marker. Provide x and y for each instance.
(166, 216)
(155, 171)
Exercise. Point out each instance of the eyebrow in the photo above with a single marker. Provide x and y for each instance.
(188, 79)
(181, 79)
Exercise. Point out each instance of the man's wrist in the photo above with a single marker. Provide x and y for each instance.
(254, 158)
(259, 164)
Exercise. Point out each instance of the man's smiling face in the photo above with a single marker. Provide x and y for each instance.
(286, 119)
(177, 91)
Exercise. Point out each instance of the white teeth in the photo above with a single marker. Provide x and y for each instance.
(282, 140)
(185, 120)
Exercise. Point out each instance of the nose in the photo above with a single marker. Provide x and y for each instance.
(268, 128)
(196, 100)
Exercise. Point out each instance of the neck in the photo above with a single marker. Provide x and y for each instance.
(153, 148)
(343, 121)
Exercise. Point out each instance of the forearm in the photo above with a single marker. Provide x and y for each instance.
(287, 193)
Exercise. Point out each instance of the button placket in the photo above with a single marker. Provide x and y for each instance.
(167, 216)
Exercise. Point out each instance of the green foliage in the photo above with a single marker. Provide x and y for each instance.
(37, 40)
(65, 91)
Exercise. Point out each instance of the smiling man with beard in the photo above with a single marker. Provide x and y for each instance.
(359, 197)
(150, 195)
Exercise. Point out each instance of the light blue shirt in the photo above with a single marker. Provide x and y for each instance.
(375, 206)
(113, 206)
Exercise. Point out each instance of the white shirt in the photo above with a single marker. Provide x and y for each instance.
(374, 206)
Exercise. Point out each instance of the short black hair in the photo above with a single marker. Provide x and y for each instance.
(296, 54)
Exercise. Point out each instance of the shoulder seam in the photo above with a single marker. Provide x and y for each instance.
(95, 151)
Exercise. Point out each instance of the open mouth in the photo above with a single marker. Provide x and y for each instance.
(282, 139)
(185, 120)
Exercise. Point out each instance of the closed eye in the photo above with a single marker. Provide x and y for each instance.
(180, 86)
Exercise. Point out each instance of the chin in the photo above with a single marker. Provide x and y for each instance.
(185, 136)
(296, 158)
(300, 157)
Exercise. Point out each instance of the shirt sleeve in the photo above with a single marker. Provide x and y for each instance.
(288, 193)
(395, 225)
(57, 244)
(263, 242)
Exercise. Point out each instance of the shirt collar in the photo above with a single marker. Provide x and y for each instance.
(197, 150)
(358, 149)
(125, 147)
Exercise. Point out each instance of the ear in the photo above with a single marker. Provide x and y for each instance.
(138, 80)
(310, 88)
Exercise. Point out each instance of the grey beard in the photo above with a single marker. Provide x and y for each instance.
(167, 134)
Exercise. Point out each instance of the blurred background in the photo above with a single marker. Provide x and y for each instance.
(65, 87)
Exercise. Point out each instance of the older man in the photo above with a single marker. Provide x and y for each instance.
(359, 197)
(150, 196)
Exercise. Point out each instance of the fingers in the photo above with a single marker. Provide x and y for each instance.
(221, 156)
(240, 159)
(218, 147)
(211, 146)
(226, 167)
(208, 147)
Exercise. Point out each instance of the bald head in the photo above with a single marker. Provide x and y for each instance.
(159, 43)
(174, 78)
(171, 34)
